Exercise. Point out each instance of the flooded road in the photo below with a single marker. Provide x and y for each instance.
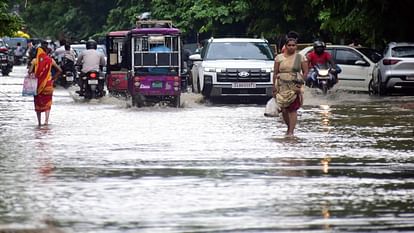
(105, 167)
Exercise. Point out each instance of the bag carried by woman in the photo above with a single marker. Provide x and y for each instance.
(29, 85)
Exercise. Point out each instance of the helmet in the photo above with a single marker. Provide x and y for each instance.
(91, 44)
(318, 43)
(319, 47)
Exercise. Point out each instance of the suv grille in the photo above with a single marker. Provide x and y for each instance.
(243, 75)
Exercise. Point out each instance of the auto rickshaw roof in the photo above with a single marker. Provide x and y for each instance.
(162, 31)
(117, 33)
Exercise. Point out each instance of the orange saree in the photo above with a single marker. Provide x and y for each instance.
(43, 65)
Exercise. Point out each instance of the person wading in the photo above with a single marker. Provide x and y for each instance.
(41, 67)
(288, 83)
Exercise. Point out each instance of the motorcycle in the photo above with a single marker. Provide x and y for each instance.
(6, 61)
(68, 78)
(93, 85)
(185, 77)
(325, 77)
(68, 73)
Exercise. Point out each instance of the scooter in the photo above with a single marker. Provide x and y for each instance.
(6, 61)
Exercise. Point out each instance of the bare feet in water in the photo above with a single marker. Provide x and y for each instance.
(289, 135)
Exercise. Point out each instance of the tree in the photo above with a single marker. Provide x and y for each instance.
(9, 22)
(123, 16)
(374, 22)
(62, 18)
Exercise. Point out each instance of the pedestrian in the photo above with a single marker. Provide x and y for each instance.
(282, 42)
(41, 67)
(289, 69)
(30, 52)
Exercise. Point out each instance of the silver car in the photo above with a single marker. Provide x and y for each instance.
(395, 71)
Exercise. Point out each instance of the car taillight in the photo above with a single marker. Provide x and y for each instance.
(92, 75)
(390, 61)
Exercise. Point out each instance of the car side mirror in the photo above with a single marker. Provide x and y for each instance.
(195, 57)
(361, 63)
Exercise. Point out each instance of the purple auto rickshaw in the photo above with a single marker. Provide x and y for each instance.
(154, 63)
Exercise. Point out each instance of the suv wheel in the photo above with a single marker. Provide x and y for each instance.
(198, 86)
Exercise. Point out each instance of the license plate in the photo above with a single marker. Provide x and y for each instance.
(323, 78)
(156, 84)
(70, 78)
(410, 78)
(92, 81)
(243, 85)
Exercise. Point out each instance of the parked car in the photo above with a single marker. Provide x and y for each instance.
(241, 67)
(395, 71)
(357, 65)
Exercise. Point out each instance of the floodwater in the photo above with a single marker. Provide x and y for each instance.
(105, 167)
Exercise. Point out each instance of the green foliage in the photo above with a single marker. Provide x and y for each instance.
(70, 19)
(204, 15)
(9, 22)
(374, 22)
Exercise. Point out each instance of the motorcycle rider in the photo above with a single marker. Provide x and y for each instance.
(18, 53)
(58, 53)
(90, 59)
(319, 57)
(68, 60)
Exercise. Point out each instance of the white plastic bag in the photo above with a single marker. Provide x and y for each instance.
(29, 85)
(272, 109)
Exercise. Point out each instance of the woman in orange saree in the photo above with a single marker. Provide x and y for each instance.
(42, 66)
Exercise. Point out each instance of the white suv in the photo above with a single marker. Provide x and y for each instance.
(233, 67)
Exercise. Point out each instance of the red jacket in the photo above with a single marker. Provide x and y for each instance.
(314, 58)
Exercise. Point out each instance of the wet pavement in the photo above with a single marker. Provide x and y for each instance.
(105, 167)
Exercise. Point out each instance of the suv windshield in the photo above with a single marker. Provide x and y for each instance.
(403, 51)
(239, 51)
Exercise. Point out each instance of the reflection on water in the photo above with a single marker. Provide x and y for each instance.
(104, 166)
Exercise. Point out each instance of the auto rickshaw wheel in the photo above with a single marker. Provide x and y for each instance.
(138, 100)
(177, 101)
